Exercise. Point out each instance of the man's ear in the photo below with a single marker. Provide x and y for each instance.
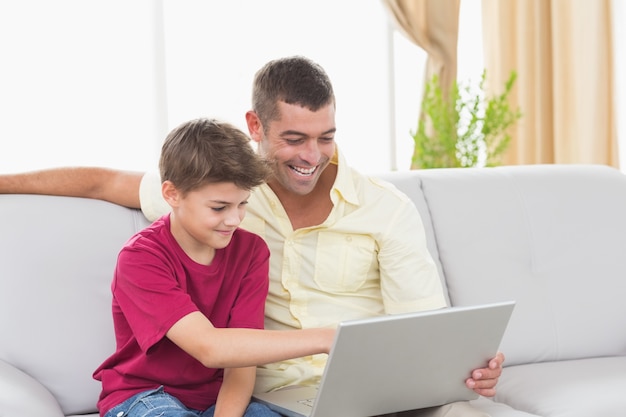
(254, 126)
(170, 193)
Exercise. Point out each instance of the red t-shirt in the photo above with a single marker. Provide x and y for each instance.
(156, 284)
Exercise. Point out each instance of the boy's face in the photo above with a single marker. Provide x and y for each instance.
(206, 218)
(299, 146)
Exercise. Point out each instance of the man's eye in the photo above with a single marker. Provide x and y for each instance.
(294, 141)
(327, 138)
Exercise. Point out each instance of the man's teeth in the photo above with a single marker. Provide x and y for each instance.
(303, 171)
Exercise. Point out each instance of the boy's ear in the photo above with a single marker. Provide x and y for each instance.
(254, 126)
(171, 195)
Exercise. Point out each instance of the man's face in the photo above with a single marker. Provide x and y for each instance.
(298, 146)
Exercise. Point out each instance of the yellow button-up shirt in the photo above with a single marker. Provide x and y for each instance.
(368, 258)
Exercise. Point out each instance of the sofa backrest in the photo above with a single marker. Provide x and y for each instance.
(551, 237)
(57, 256)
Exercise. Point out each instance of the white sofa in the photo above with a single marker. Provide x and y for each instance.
(552, 237)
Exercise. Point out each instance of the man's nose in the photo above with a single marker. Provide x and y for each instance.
(311, 152)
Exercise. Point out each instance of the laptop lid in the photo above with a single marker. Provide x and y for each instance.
(399, 362)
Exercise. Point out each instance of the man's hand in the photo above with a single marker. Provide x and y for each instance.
(483, 381)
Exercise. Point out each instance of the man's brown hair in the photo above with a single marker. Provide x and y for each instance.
(293, 80)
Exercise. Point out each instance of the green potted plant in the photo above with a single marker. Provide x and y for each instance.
(465, 130)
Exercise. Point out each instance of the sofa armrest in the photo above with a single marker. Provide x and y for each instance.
(22, 395)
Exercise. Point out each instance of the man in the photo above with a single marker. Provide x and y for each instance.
(343, 246)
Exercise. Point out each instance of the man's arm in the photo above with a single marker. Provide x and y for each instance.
(115, 186)
(404, 256)
(483, 381)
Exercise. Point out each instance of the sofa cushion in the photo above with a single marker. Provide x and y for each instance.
(578, 388)
(551, 237)
(57, 256)
(23, 396)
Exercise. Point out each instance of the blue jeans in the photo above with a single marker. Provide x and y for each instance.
(157, 403)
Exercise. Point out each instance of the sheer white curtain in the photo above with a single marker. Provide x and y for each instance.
(89, 82)
(78, 83)
(213, 49)
(84, 82)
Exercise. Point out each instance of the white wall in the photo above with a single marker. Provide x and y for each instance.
(86, 82)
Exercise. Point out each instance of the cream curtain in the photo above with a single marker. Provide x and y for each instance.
(561, 50)
(434, 26)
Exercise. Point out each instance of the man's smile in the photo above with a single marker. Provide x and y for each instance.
(305, 172)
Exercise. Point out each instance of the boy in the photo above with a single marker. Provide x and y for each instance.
(189, 290)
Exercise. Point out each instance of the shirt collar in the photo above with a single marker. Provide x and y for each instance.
(344, 184)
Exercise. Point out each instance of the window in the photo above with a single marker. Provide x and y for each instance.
(214, 48)
(76, 80)
(101, 83)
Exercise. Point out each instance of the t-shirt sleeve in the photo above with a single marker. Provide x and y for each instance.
(408, 274)
(148, 294)
(152, 203)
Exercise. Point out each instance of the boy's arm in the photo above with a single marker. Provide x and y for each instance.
(240, 347)
(236, 390)
(115, 186)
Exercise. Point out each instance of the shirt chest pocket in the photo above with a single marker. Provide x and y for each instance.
(343, 261)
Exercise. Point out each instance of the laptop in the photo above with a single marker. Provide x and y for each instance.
(399, 362)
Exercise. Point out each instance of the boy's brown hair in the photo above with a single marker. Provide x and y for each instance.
(203, 151)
